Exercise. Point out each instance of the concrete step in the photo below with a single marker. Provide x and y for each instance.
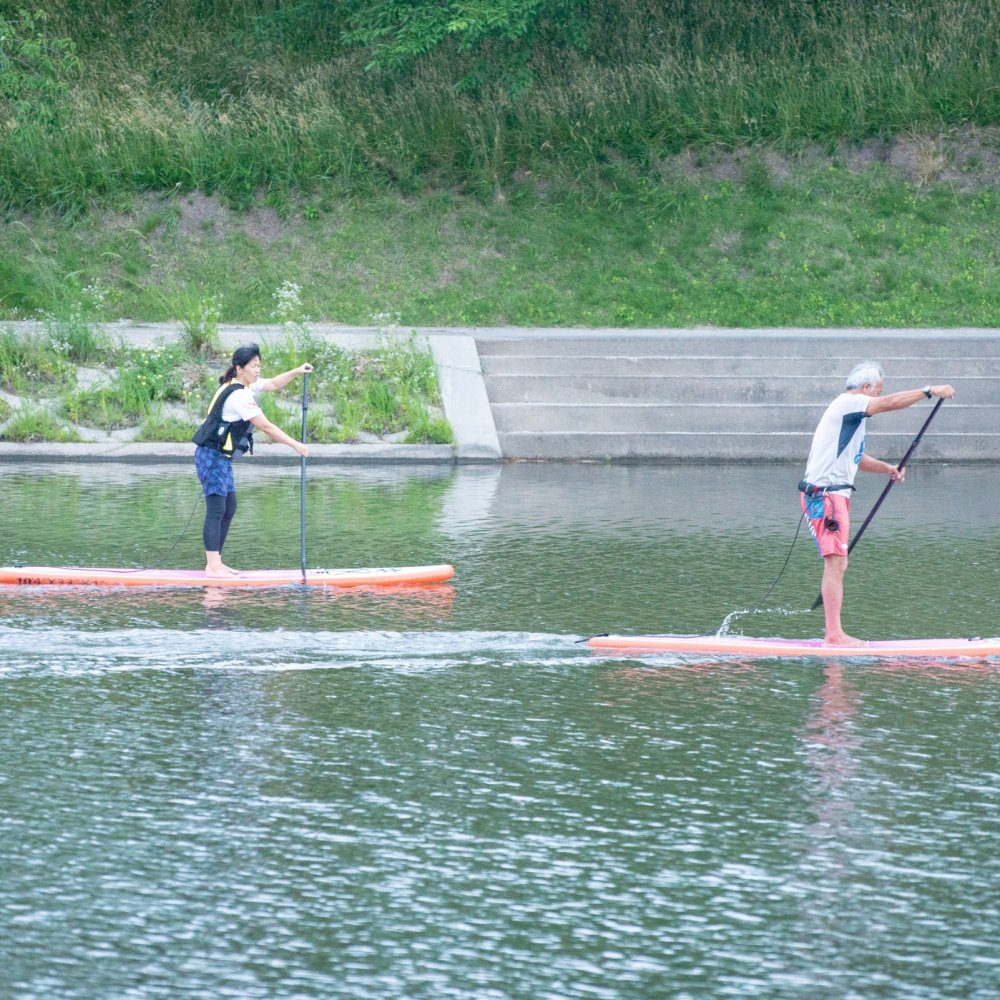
(765, 418)
(639, 389)
(729, 395)
(733, 446)
(854, 345)
(900, 371)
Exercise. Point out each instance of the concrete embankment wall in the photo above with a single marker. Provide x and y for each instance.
(730, 395)
(646, 395)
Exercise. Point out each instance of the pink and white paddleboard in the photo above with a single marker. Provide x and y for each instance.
(749, 646)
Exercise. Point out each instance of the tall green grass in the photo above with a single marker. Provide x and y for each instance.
(263, 96)
(801, 242)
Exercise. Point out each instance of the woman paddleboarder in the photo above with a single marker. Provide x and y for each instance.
(227, 433)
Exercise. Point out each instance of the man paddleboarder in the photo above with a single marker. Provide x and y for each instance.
(837, 452)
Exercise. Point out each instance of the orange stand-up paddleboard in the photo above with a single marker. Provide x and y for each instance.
(83, 576)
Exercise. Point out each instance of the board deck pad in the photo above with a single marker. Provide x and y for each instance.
(83, 576)
(741, 645)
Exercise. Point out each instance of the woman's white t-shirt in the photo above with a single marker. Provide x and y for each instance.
(241, 405)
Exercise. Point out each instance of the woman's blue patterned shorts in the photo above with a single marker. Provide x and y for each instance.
(215, 472)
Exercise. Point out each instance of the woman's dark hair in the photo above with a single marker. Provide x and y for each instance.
(242, 356)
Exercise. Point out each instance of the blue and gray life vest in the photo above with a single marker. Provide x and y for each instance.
(227, 436)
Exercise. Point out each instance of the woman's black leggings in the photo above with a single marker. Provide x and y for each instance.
(219, 513)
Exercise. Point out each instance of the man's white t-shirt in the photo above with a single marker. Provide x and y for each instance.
(839, 442)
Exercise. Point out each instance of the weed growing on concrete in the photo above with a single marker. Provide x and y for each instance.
(32, 424)
(30, 363)
(200, 325)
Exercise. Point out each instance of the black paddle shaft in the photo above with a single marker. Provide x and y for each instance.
(888, 486)
(302, 476)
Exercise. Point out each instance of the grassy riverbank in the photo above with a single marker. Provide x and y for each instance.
(620, 162)
(739, 244)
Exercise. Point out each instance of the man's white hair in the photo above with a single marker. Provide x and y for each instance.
(866, 373)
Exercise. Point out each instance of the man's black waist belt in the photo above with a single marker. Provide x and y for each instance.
(810, 490)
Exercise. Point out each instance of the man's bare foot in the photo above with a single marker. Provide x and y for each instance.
(221, 570)
(843, 639)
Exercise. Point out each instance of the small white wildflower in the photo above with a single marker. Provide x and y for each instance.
(288, 300)
(96, 294)
(385, 320)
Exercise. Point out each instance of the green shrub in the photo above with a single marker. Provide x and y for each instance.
(321, 427)
(381, 405)
(34, 71)
(32, 425)
(152, 373)
(427, 429)
(200, 327)
(156, 427)
(103, 407)
(28, 360)
(408, 365)
(350, 417)
(144, 376)
(77, 340)
(279, 414)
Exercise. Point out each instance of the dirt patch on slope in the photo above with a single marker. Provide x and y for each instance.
(967, 159)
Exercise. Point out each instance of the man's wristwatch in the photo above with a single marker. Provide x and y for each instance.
(927, 391)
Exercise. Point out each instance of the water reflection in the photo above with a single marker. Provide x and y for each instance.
(830, 741)
(230, 607)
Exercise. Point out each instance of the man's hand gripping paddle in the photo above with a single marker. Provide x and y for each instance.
(888, 486)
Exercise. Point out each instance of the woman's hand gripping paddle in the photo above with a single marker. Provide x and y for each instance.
(878, 503)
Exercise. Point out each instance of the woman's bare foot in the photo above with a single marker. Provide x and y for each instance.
(220, 570)
(843, 639)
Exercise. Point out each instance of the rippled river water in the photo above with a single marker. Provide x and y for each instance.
(440, 793)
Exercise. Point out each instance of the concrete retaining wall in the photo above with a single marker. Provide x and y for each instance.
(644, 395)
(729, 394)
